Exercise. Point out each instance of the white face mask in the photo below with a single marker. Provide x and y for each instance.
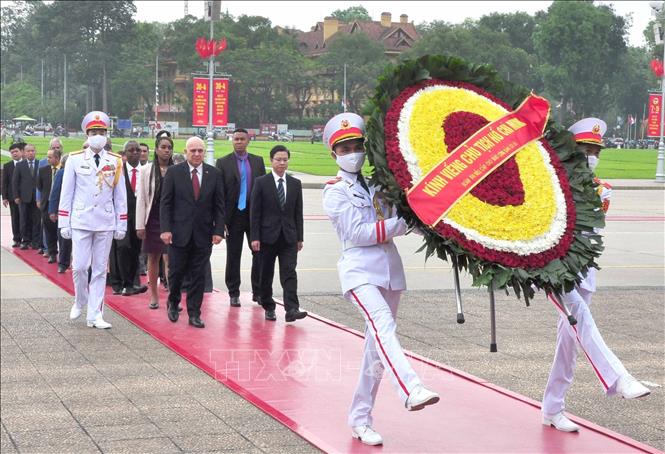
(97, 142)
(593, 162)
(351, 162)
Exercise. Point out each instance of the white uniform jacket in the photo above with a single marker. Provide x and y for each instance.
(369, 255)
(93, 198)
(604, 191)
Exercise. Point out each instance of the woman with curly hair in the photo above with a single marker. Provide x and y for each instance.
(147, 210)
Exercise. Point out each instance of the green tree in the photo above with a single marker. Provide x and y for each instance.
(469, 41)
(365, 60)
(20, 98)
(580, 46)
(351, 14)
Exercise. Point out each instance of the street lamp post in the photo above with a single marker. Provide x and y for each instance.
(210, 152)
(657, 8)
(660, 175)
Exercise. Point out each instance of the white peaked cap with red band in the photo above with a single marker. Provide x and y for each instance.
(95, 120)
(342, 127)
(589, 130)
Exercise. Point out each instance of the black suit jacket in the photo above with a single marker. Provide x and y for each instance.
(185, 217)
(23, 184)
(7, 174)
(130, 239)
(228, 166)
(267, 219)
(44, 181)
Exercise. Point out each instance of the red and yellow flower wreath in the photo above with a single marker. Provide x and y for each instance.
(522, 225)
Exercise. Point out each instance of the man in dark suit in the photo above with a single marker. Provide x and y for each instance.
(16, 150)
(24, 184)
(191, 216)
(277, 232)
(239, 171)
(129, 248)
(45, 177)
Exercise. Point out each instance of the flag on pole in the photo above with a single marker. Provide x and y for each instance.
(631, 120)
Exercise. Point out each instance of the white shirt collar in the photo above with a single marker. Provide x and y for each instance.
(198, 168)
(129, 167)
(277, 177)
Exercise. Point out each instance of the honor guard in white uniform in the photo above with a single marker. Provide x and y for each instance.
(92, 212)
(371, 274)
(613, 376)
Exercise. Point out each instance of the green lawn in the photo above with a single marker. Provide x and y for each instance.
(315, 158)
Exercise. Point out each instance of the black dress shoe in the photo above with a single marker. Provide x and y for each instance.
(52, 259)
(292, 316)
(173, 315)
(117, 291)
(235, 301)
(196, 322)
(128, 291)
(270, 315)
(61, 269)
(16, 244)
(24, 246)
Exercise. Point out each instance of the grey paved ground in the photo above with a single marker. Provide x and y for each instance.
(67, 388)
(630, 320)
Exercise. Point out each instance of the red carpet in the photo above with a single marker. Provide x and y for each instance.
(303, 374)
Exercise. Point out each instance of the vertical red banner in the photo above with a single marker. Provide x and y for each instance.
(653, 120)
(220, 102)
(200, 102)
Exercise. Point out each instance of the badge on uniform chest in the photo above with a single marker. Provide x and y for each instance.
(106, 175)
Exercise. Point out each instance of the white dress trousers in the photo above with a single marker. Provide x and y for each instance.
(90, 249)
(372, 279)
(585, 333)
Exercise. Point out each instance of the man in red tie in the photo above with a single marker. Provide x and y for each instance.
(191, 218)
(129, 248)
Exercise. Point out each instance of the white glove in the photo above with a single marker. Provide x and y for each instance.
(119, 234)
(66, 233)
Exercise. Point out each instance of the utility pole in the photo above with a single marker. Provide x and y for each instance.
(213, 9)
(344, 87)
(41, 113)
(156, 90)
(64, 107)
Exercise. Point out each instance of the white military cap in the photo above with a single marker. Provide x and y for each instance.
(95, 120)
(589, 130)
(342, 127)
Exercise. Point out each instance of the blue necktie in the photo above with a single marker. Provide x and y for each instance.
(242, 200)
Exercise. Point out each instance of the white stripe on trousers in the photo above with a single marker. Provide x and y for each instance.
(90, 249)
(382, 351)
(605, 364)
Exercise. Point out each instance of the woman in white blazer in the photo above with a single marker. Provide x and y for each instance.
(147, 212)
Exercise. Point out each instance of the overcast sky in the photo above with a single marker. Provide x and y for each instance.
(304, 14)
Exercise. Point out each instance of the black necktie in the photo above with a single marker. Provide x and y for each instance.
(32, 170)
(97, 159)
(361, 180)
(280, 193)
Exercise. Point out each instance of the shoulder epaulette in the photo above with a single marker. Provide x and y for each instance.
(114, 154)
(76, 152)
(334, 180)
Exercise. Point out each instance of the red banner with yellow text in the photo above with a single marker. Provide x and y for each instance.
(653, 120)
(220, 102)
(475, 158)
(200, 101)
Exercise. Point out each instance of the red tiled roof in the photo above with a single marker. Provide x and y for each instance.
(395, 38)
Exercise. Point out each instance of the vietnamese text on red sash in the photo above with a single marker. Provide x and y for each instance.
(476, 158)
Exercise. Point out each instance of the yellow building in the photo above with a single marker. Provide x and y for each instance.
(396, 37)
